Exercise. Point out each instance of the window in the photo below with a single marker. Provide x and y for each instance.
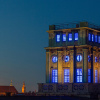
(58, 38)
(79, 75)
(96, 76)
(89, 37)
(96, 59)
(89, 58)
(76, 36)
(92, 37)
(64, 37)
(89, 75)
(66, 75)
(96, 38)
(79, 58)
(54, 59)
(70, 36)
(54, 76)
(66, 58)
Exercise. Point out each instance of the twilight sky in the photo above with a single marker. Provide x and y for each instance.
(23, 26)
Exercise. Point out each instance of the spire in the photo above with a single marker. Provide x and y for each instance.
(11, 83)
(23, 88)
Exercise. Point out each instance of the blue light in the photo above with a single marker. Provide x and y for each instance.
(89, 37)
(70, 36)
(96, 40)
(54, 76)
(64, 37)
(89, 58)
(58, 38)
(66, 58)
(79, 58)
(79, 75)
(92, 37)
(89, 75)
(96, 59)
(54, 59)
(76, 36)
(66, 75)
(96, 76)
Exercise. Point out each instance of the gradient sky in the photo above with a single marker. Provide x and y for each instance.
(23, 26)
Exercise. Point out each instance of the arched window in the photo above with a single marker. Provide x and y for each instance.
(54, 59)
(66, 58)
(79, 58)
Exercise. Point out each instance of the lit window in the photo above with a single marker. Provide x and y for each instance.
(54, 59)
(76, 36)
(96, 76)
(58, 38)
(66, 75)
(79, 58)
(96, 38)
(79, 75)
(89, 75)
(89, 58)
(96, 59)
(64, 37)
(92, 37)
(89, 37)
(66, 58)
(70, 36)
(54, 76)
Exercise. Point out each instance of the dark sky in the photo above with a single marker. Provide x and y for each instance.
(23, 26)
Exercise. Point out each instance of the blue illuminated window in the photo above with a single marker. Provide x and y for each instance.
(96, 76)
(58, 38)
(54, 76)
(66, 75)
(96, 39)
(66, 58)
(89, 58)
(76, 36)
(89, 75)
(70, 37)
(96, 59)
(79, 58)
(54, 59)
(64, 37)
(79, 75)
(89, 37)
(92, 37)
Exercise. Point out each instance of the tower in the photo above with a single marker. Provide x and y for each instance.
(23, 88)
(11, 83)
(72, 59)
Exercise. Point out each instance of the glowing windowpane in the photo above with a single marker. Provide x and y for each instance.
(54, 59)
(89, 75)
(89, 58)
(54, 76)
(58, 38)
(66, 58)
(96, 38)
(64, 37)
(95, 59)
(79, 75)
(89, 37)
(70, 36)
(96, 76)
(92, 37)
(76, 36)
(79, 58)
(66, 75)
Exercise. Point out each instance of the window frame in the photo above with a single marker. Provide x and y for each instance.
(67, 76)
(79, 76)
(64, 36)
(58, 39)
(54, 77)
(89, 75)
(70, 39)
(76, 36)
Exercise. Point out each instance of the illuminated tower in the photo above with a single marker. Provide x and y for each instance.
(23, 88)
(11, 83)
(72, 59)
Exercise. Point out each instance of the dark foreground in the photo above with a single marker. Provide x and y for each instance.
(45, 98)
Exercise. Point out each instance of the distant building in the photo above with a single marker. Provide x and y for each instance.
(72, 60)
(23, 88)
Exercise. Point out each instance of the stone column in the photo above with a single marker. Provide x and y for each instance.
(59, 66)
(85, 65)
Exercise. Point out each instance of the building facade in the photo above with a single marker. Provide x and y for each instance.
(72, 59)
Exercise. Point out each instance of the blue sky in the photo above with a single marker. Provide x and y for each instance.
(23, 26)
